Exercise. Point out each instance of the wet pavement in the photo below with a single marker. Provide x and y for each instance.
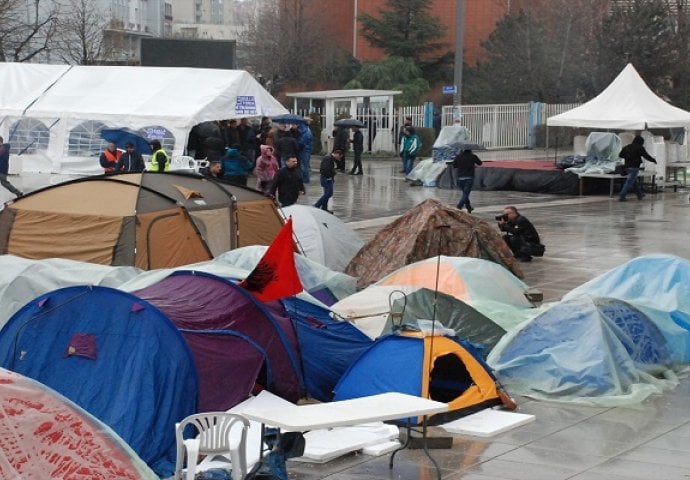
(584, 237)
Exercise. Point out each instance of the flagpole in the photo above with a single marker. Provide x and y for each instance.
(294, 235)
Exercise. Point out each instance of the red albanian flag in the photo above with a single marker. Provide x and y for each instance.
(275, 276)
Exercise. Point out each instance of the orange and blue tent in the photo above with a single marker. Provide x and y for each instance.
(441, 368)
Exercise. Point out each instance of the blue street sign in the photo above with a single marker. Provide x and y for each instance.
(450, 89)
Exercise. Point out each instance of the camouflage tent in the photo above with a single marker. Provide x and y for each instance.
(427, 230)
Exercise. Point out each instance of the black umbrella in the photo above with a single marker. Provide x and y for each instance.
(288, 118)
(349, 122)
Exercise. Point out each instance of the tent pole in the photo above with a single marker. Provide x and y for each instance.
(440, 229)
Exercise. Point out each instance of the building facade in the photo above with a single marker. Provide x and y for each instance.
(481, 17)
(210, 19)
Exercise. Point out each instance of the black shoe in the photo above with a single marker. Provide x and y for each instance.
(359, 173)
(621, 199)
(525, 258)
(401, 171)
(469, 209)
(640, 196)
(351, 172)
(331, 212)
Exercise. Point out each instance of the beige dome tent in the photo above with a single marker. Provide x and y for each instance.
(427, 230)
(148, 220)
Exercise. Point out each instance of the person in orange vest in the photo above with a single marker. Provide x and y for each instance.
(110, 158)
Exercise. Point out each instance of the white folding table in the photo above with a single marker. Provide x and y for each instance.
(381, 407)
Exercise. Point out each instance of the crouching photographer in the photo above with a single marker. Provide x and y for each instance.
(520, 234)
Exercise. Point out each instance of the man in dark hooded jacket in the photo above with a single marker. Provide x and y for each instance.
(633, 154)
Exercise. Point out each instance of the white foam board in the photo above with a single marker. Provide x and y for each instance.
(324, 445)
(381, 448)
(487, 423)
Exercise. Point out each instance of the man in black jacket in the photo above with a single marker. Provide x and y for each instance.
(286, 146)
(521, 236)
(288, 182)
(131, 160)
(633, 154)
(464, 164)
(357, 148)
(341, 140)
(327, 177)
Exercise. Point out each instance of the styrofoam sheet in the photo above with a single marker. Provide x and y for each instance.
(381, 448)
(487, 423)
(325, 445)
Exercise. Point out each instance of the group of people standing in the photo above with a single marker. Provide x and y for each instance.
(114, 160)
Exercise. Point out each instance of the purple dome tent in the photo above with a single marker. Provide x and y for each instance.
(236, 340)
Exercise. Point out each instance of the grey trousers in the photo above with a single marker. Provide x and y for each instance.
(5, 183)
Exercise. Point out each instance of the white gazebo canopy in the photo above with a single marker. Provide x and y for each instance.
(626, 104)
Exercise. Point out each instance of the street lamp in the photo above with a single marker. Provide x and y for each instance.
(459, 38)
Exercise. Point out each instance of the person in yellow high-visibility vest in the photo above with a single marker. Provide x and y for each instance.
(160, 161)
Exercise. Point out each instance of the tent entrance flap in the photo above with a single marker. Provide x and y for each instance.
(448, 379)
(168, 239)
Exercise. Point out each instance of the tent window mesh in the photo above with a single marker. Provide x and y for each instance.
(85, 139)
(28, 136)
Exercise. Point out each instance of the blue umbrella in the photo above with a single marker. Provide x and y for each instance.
(289, 118)
(122, 136)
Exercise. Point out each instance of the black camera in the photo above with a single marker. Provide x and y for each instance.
(500, 217)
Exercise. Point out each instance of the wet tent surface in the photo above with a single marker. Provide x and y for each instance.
(584, 237)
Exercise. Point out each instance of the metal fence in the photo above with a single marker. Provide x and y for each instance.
(504, 126)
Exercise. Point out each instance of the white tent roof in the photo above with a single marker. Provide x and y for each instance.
(73, 101)
(173, 97)
(23, 83)
(626, 104)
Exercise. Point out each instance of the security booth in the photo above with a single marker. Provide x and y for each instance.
(373, 107)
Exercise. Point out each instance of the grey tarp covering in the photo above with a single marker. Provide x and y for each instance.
(22, 279)
(659, 285)
(596, 351)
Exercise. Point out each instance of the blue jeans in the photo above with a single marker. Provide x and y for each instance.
(305, 165)
(465, 184)
(408, 162)
(327, 184)
(630, 180)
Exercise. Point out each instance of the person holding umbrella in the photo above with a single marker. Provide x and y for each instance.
(131, 160)
(357, 147)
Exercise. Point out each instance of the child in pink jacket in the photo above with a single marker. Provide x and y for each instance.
(266, 168)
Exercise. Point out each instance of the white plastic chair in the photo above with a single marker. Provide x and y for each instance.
(215, 439)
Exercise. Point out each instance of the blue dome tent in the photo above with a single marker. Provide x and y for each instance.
(113, 354)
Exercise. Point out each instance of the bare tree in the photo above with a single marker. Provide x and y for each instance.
(26, 29)
(85, 37)
(289, 42)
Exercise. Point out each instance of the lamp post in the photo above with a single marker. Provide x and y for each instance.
(459, 38)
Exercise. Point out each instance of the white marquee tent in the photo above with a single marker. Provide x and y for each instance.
(54, 112)
(626, 104)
